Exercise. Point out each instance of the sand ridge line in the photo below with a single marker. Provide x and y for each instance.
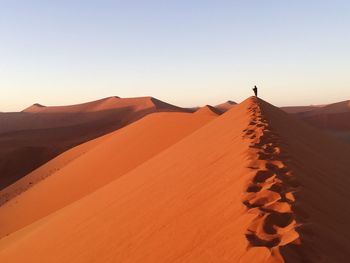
(270, 192)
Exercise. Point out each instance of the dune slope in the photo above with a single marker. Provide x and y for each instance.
(39, 133)
(333, 118)
(48, 169)
(299, 109)
(253, 185)
(91, 165)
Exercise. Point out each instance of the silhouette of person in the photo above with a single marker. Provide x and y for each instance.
(255, 89)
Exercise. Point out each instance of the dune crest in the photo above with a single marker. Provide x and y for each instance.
(269, 194)
(210, 110)
(226, 105)
(105, 104)
(34, 108)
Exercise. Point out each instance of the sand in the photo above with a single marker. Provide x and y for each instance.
(210, 110)
(299, 109)
(92, 165)
(333, 118)
(223, 107)
(252, 185)
(39, 133)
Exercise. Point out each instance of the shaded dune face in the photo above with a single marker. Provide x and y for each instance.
(329, 121)
(39, 133)
(333, 118)
(316, 174)
(252, 185)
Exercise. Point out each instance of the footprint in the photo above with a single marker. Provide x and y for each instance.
(270, 193)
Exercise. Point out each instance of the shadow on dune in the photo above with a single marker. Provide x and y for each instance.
(29, 140)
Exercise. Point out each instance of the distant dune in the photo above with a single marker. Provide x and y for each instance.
(209, 110)
(299, 109)
(333, 118)
(254, 184)
(226, 105)
(40, 133)
(106, 104)
(334, 108)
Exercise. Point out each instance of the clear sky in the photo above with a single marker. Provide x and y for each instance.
(186, 52)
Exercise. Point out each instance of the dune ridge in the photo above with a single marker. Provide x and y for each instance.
(208, 109)
(223, 107)
(105, 104)
(269, 194)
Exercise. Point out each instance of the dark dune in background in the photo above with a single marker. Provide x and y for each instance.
(299, 109)
(332, 118)
(32, 137)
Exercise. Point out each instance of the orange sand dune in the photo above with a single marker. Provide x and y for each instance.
(223, 107)
(121, 109)
(207, 109)
(48, 169)
(253, 185)
(39, 133)
(105, 104)
(94, 164)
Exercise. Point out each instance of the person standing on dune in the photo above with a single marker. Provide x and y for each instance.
(255, 89)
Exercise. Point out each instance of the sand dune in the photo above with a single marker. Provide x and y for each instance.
(252, 185)
(40, 133)
(226, 105)
(91, 165)
(299, 109)
(106, 104)
(34, 108)
(48, 169)
(333, 118)
(43, 117)
(207, 109)
(339, 107)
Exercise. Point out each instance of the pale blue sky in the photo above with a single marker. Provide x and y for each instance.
(184, 52)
